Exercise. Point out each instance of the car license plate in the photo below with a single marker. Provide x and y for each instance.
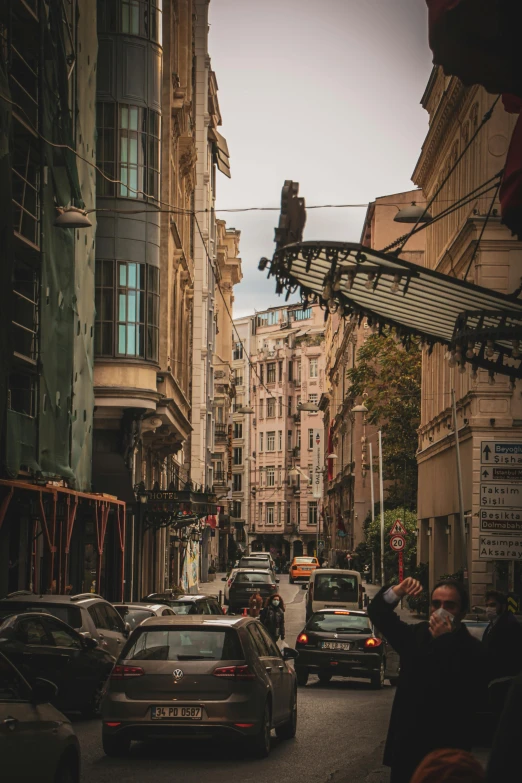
(251, 590)
(176, 713)
(336, 645)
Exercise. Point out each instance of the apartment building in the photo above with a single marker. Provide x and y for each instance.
(288, 368)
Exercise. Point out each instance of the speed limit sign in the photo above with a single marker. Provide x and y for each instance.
(397, 543)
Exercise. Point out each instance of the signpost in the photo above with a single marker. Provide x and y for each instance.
(493, 453)
(397, 543)
(398, 529)
(500, 547)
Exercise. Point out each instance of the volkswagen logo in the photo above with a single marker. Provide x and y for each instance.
(177, 675)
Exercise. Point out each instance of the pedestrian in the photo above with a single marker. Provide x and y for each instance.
(449, 766)
(255, 605)
(273, 617)
(504, 758)
(441, 678)
(367, 573)
(502, 642)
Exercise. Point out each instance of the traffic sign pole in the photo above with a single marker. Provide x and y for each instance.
(401, 567)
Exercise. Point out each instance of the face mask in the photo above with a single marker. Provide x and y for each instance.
(445, 615)
(491, 612)
(275, 603)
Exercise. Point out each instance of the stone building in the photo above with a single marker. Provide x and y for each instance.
(288, 367)
(468, 246)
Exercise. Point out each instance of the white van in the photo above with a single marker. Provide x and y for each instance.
(333, 588)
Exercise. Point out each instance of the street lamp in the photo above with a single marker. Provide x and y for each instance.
(73, 217)
(413, 214)
(309, 407)
(246, 410)
(360, 409)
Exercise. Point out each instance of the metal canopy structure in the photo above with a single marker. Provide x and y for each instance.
(479, 326)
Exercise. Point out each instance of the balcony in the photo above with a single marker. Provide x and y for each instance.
(296, 451)
(220, 478)
(220, 432)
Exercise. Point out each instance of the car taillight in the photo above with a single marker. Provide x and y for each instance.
(272, 585)
(302, 638)
(373, 642)
(124, 672)
(234, 673)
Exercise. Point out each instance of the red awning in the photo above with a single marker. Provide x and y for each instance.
(478, 41)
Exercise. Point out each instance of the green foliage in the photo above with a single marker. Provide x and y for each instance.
(373, 543)
(391, 377)
(420, 603)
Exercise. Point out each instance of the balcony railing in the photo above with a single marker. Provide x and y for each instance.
(219, 477)
(220, 431)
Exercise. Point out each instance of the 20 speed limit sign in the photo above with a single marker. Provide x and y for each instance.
(397, 543)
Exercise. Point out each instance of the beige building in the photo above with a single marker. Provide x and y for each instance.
(288, 367)
(228, 274)
(348, 480)
(488, 410)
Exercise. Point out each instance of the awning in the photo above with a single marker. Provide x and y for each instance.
(389, 291)
(221, 153)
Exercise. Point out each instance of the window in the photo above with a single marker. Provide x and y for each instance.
(238, 429)
(63, 636)
(301, 315)
(289, 438)
(261, 402)
(270, 476)
(12, 687)
(314, 398)
(271, 372)
(127, 310)
(288, 515)
(280, 440)
(298, 373)
(280, 412)
(270, 441)
(260, 512)
(135, 17)
(312, 513)
(279, 520)
(238, 377)
(238, 455)
(298, 514)
(171, 644)
(280, 372)
(31, 631)
(261, 373)
(313, 368)
(238, 352)
(25, 311)
(270, 514)
(237, 482)
(260, 442)
(290, 406)
(258, 641)
(290, 370)
(271, 408)
(129, 146)
(310, 439)
(22, 395)
(236, 509)
(298, 444)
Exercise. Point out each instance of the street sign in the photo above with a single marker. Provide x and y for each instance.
(500, 547)
(398, 529)
(489, 473)
(493, 453)
(500, 495)
(492, 521)
(397, 543)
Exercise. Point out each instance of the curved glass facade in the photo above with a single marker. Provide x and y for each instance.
(142, 18)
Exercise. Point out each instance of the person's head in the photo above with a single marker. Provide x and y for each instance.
(275, 601)
(496, 603)
(450, 595)
(449, 765)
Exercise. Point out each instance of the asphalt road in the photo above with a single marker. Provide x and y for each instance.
(340, 736)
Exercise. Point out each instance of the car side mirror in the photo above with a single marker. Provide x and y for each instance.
(289, 653)
(127, 631)
(89, 643)
(43, 691)
(277, 581)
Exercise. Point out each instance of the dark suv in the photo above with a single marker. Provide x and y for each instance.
(247, 582)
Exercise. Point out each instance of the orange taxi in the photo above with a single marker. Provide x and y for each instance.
(302, 567)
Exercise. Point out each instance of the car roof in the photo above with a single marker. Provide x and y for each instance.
(196, 619)
(38, 614)
(266, 555)
(339, 571)
(142, 605)
(253, 570)
(199, 597)
(53, 599)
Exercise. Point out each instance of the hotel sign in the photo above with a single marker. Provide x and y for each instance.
(318, 464)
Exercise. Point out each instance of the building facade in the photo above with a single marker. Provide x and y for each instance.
(288, 367)
(489, 410)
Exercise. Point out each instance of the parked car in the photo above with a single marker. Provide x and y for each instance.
(195, 604)
(200, 676)
(257, 562)
(36, 741)
(88, 613)
(266, 556)
(247, 582)
(41, 646)
(302, 567)
(341, 643)
(228, 581)
(136, 613)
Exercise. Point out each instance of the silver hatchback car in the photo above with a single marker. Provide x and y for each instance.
(197, 676)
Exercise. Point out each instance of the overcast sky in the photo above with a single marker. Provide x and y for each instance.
(326, 94)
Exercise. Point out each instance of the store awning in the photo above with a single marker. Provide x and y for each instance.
(417, 301)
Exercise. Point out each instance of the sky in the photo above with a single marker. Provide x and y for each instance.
(325, 93)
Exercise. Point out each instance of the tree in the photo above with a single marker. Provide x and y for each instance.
(390, 375)
(373, 544)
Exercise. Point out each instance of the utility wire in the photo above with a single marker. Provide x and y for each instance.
(475, 251)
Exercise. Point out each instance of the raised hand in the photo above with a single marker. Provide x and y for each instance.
(409, 586)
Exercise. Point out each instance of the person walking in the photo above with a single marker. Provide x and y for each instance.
(502, 642)
(442, 676)
(273, 617)
(255, 605)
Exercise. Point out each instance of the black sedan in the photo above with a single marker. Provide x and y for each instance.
(248, 582)
(342, 643)
(41, 646)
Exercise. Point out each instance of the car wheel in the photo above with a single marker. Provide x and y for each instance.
(288, 729)
(302, 675)
(377, 679)
(260, 742)
(115, 745)
(67, 771)
(324, 677)
(92, 710)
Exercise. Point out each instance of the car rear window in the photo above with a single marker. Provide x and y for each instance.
(305, 560)
(252, 577)
(134, 616)
(68, 614)
(185, 644)
(335, 587)
(184, 607)
(332, 621)
(254, 562)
